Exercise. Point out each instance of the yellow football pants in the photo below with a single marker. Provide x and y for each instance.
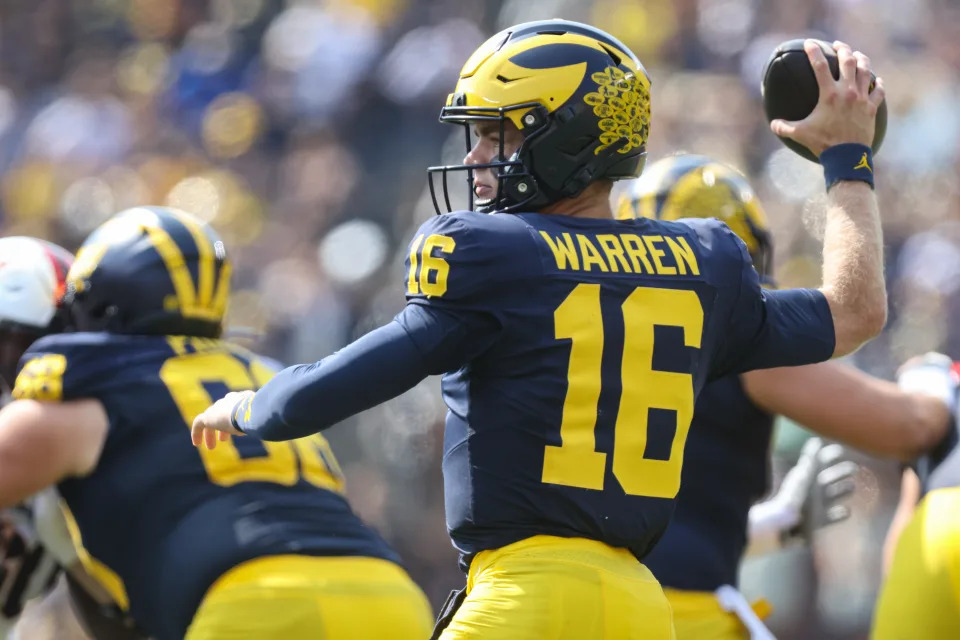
(549, 588)
(697, 615)
(920, 599)
(307, 598)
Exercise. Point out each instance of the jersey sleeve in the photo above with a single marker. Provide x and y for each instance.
(455, 261)
(450, 318)
(54, 369)
(769, 328)
(456, 269)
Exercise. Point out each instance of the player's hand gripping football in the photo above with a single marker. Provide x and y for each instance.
(846, 110)
(216, 422)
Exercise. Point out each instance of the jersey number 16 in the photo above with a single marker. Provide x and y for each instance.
(576, 462)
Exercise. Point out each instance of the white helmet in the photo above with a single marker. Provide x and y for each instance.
(32, 280)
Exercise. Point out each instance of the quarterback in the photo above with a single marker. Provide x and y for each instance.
(573, 345)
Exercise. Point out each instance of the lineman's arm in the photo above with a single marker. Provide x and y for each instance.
(849, 406)
(42, 443)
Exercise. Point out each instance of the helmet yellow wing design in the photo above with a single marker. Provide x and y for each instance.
(578, 96)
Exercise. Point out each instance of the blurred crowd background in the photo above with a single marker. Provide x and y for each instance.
(301, 130)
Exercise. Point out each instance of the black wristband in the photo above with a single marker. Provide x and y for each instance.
(236, 412)
(849, 161)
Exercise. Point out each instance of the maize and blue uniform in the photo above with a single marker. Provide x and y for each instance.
(920, 598)
(250, 540)
(726, 472)
(573, 351)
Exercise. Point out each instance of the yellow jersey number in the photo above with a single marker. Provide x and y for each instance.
(433, 270)
(576, 462)
(185, 375)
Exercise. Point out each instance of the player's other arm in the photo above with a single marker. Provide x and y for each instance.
(852, 407)
(853, 244)
(443, 327)
(304, 399)
(42, 443)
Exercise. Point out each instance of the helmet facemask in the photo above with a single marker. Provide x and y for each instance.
(516, 186)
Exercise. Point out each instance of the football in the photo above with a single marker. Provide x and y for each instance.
(790, 90)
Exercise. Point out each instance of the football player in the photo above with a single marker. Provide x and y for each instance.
(574, 344)
(920, 597)
(727, 455)
(248, 541)
(33, 535)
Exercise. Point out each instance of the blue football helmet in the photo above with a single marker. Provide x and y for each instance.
(150, 270)
(578, 95)
(692, 186)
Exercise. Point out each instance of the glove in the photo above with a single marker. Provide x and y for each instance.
(937, 375)
(51, 527)
(808, 497)
(833, 483)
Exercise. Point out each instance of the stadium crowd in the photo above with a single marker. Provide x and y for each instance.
(301, 130)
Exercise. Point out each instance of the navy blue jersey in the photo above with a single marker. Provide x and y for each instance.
(592, 339)
(725, 471)
(161, 520)
(573, 350)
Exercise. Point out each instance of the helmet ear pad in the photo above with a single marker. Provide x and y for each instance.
(564, 156)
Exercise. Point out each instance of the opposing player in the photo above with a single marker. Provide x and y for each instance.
(574, 344)
(727, 454)
(920, 597)
(32, 546)
(248, 541)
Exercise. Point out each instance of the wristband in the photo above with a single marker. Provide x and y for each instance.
(849, 161)
(243, 405)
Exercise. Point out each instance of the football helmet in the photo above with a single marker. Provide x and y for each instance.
(32, 281)
(150, 270)
(580, 99)
(691, 186)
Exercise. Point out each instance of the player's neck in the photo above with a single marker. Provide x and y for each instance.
(594, 202)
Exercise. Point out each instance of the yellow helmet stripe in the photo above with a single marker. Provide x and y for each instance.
(176, 266)
(219, 306)
(206, 258)
(686, 199)
(647, 206)
(551, 87)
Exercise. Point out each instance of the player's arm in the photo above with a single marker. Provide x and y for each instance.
(42, 443)
(909, 497)
(305, 399)
(853, 266)
(852, 407)
(853, 283)
(443, 326)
